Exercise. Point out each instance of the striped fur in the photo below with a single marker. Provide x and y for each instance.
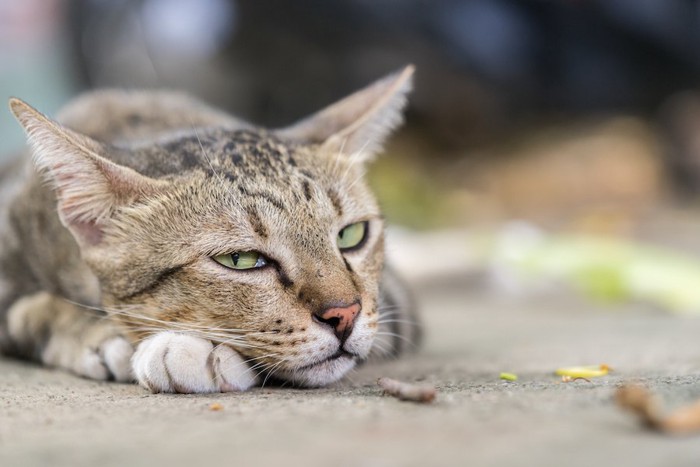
(107, 269)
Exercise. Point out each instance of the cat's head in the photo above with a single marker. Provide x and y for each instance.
(265, 240)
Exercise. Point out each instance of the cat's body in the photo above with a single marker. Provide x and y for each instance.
(221, 253)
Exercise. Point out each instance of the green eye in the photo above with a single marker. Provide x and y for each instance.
(352, 236)
(242, 260)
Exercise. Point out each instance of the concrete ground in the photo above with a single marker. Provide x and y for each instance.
(52, 418)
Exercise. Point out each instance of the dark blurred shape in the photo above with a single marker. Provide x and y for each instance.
(483, 66)
(680, 122)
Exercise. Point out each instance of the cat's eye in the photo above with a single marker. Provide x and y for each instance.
(352, 236)
(242, 260)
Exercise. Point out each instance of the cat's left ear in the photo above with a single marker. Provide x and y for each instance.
(89, 187)
(359, 124)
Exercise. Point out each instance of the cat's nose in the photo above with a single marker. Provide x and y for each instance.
(341, 319)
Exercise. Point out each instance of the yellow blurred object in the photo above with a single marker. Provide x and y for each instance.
(591, 371)
(509, 376)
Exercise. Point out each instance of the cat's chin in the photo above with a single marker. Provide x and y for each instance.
(320, 374)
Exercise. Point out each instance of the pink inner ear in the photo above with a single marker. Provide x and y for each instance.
(88, 232)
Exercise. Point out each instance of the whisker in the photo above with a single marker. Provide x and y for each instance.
(188, 326)
(158, 325)
(208, 159)
(388, 307)
(284, 383)
(382, 350)
(339, 156)
(392, 314)
(362, 174)
(244, 362)
(198, 335)
(264, 367)
(403, 321)
(270, 371)
(94, 308)
(239, 341)
(354, 157)
(393, 334)
(183, 329)
(390, 311)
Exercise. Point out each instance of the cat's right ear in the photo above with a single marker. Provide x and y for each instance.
(89, 187)
(359, 124)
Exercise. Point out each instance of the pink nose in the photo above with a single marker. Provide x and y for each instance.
(341, 319)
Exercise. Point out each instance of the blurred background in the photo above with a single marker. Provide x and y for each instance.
(545, 140)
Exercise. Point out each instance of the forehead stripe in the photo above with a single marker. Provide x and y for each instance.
(307, 190)
(335, 200)
(264, 196)
(256, 222)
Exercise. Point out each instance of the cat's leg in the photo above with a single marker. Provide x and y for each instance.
(57, 333)
(173, 362)
(400, 328)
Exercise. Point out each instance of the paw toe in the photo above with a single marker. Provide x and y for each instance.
(90, 365)
(171, 362)
(230, 370)
(116, 354)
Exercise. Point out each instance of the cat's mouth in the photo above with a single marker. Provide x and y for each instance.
(340, 354)
(323, 371)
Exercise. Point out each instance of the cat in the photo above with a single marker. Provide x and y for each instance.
(193, 252)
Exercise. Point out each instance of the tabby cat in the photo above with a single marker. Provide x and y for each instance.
(194, 252)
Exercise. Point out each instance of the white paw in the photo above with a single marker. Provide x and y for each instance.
(172, 362)
(116, 355)
(109, 360)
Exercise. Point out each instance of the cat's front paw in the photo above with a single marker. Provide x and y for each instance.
(108, 360)
(115, 356)
(172, 362)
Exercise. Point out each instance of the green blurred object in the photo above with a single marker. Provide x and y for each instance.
(603, 282)
(409, 195)
(605, 269)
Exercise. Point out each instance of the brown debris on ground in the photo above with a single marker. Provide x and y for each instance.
(408, 391)
(647, 406)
